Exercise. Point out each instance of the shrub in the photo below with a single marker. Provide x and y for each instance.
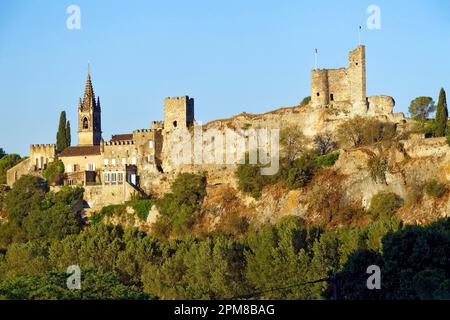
(142, 208)
(300, 173)
(325, 143)
(361, 131)
(177, 208)
(327, 160)
(96, 218)
(189, 188)
(435, 189)
(347, 215)
(53, 168)
(292, 143)
(250, 179)
(305, 100)
(112, 209)
(233, 224)
(385, 204)
(378, 168)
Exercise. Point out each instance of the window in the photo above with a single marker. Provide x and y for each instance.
(124, 161)
(318, 94)
(85, 123)
(69, 168)
(150, 144)
(331, 97)
(113, 178)
(151, 158)
(174, 124)
(106, 162)
(120, 177)
(113, 162)
(106, 177)
(90, 167)
(133, 161)
(76, 167)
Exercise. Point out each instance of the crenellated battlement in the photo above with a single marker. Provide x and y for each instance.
(157, 125)
(44, 147)
(142, 130)
(119, 143)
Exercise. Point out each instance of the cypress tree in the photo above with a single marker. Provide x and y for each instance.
(61, 140)
(441, 115)
(68, 135)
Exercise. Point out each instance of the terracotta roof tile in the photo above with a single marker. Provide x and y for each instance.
(122, 137)
(80, 151)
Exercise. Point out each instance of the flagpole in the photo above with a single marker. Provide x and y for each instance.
(315, 58)
(359, 35)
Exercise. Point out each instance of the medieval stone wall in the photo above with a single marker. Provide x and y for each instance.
(41, 155)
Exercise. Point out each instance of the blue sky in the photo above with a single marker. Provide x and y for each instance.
(231, 56)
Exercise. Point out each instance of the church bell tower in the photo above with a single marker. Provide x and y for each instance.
(89, 117)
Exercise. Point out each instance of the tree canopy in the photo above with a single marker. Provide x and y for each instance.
(421, 107)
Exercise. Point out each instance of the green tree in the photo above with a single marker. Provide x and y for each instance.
(441, 115)
(27, 194)
(361, 131)
(96, 285)
(2, 153)
(415, 264)
(54, 172)
(63, 135)
(68, 135)
(178, 207)
(421, 107)
(25, 259)
(250, 179)
(55, 222)
(7, 162)
(300, 173)
(385, 204)
(292, 143)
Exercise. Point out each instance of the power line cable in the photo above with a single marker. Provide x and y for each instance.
(258, 293)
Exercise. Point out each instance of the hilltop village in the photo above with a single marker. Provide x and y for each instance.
(139, 162)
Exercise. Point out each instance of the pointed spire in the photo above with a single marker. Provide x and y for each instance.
(89, 97)
(98, 102)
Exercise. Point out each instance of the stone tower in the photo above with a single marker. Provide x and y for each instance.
(343, 86)
(178, 112)
(89, 117)
(357, 78)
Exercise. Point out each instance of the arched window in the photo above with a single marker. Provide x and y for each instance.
(85, 123)
(175, 124)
